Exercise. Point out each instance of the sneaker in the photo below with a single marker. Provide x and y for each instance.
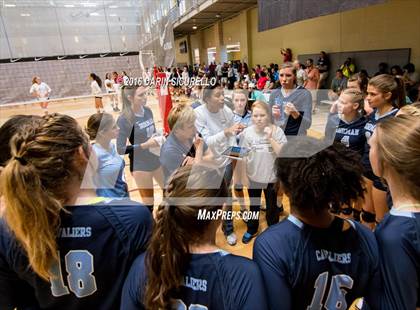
(231, 239)
(247, 237)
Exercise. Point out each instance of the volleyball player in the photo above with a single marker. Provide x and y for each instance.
(108, 177)
(41, 91)
(396, 158)
(19, 294)
(73, 249)
(346, 124)
(313, 259)
(242, 116)
(183, 268)
(385, 94)
(137, 125)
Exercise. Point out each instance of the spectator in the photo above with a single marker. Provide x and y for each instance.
(338, 84)
(348, 67)
(262, 81)
(397, 71)
(301, 76)
(383, 69)
(287, 55)
(323, 66)
(411, 76)
(311, 82)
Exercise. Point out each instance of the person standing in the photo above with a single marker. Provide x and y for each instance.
(109, 87)
(216, 124)
(95, 86)
(311, 82)
(323, 65)
(135, 138)
(396, 158)
(291, 104)
(108, 176)
(265, 141)
(313, 259)
(40, 91)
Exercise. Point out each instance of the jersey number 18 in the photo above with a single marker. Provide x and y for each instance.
(79, 267)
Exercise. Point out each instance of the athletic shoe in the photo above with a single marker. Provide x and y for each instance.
(231, 239)
(247, 237)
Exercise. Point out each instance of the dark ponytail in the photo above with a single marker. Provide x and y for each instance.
(96, 78)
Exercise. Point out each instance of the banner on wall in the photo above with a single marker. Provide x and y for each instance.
(159, 50)
(276, 13)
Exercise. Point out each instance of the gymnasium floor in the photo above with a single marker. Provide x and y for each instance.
(82, 108)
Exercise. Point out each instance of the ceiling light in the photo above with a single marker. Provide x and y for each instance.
(10, 5)
(94, 14)
(113, 6)
(87, 4)
(25, 14)
(113, 15)
(69, 6)
(76, 39)
(194, 27)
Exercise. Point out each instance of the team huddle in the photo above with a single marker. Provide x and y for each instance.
(65, 245)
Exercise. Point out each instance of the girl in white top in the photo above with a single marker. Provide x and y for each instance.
(41, 91)
(110, 89)
(95, 86)
(265, 141)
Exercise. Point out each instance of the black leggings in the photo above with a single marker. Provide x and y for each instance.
(272, 214)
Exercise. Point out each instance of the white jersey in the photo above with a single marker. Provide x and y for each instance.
(96, 90)
(109, 86)
(42, 90)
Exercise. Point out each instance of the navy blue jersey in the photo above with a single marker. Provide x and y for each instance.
(352, 135)
(219, 281)
(311, 268)
(137, 132)
(398, 237)
(372, 120)
(97, 245)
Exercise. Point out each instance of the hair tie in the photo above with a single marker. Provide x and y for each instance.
(21, 160)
